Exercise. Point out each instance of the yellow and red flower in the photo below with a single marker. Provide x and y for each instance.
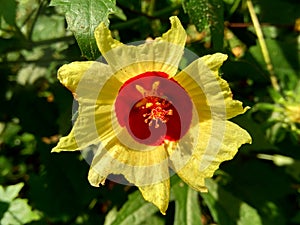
(147, 117)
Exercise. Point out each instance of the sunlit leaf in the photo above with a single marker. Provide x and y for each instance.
(11, 192)
(17, 210)
(83, 17)
(47, 27)
(207, 14)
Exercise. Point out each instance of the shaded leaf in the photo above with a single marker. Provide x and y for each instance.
(3, 208)
(296, 218)
(284, 57)
(187, 210)
(8, 11)
(67, 195)
(227, 209)
(135, 211)
(83, 17)
(287, 9)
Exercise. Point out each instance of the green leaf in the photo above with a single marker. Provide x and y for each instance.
(15, 210)
(3, 208)
(9, 134)
(207, 14)
(11, 192)
(19, 212)
(296, 218)
(187, 210)
(260, 142)
(48, 27)
(134, 212)
(284, 57)
(62, 190)
(154, 220)
(279, 11)
(83, 17)
(227, 209)
(8, 11)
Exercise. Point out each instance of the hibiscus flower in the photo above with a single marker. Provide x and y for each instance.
(148, 118)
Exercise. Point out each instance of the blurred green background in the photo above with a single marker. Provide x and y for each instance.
(260, 186)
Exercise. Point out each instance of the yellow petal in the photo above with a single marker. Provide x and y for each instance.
(193, 87)
(163, 54)
(88, 75)
(86, 131)
(138, 167)
(176, 34)
(233, 107)
(96, 91)
(95, 178)
(218, 141)
(214, 62)
(94, 122)
(104, 39)
(70, 74)
(158, 194)
(210, 93)
(67, 143)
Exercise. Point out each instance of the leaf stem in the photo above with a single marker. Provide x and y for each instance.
(151, 7)
(263, 45)
(36, 16)
(156, 15)
(234, 6)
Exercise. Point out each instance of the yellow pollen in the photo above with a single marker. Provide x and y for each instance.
(157, 114)
(157, 105)
(149, 104)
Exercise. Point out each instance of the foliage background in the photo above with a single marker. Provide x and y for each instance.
(259, 186)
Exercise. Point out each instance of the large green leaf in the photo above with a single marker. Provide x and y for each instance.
(8, 11)
(187, 210)
(284, 57)
(14, 210)
(19, 212)
(62, 190)
(262, 185)
(134, 212)
(207, 14)
(278, 11)
(48, 27)
(83, 17)
(227, 209)
(11, 192)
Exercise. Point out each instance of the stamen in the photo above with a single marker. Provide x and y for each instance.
(158, 111)
(157, 106)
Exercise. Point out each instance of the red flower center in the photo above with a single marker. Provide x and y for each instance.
(153, 108)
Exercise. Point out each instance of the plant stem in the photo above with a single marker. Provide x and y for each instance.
(263, 45)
